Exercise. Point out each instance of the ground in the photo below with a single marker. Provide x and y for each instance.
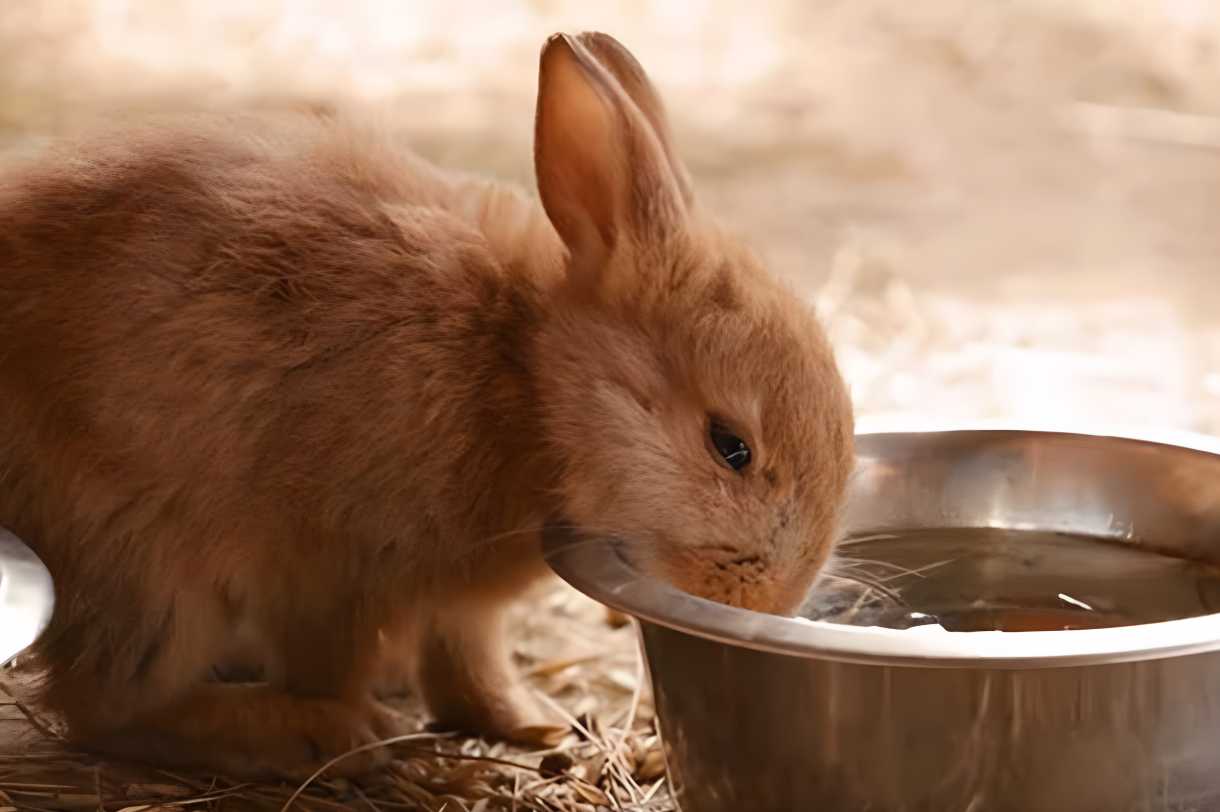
(1003, 210)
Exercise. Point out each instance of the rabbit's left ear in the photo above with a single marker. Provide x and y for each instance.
(602, 151)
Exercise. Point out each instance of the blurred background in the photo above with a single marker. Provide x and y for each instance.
(1005, 210)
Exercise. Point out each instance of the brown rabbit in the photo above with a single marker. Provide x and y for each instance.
(274, 376)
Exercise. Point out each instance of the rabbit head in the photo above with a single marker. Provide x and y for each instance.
(692, 402)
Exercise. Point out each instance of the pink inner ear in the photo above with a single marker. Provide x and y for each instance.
(576, 153)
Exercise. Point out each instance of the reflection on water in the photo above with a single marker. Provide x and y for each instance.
(981, 579)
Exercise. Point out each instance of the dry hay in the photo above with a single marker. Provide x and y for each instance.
(589, 672)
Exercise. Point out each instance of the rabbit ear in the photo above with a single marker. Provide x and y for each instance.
(603, 170)
(635, 83)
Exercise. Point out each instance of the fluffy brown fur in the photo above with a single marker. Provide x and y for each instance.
(274, 386)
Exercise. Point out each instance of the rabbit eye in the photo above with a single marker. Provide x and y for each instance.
(732, 449)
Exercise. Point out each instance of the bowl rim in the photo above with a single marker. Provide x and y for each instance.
(596, 566)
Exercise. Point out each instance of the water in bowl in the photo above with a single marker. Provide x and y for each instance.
(983, 579)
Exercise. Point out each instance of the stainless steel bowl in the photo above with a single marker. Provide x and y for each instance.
(26, 597)
(766, 713)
